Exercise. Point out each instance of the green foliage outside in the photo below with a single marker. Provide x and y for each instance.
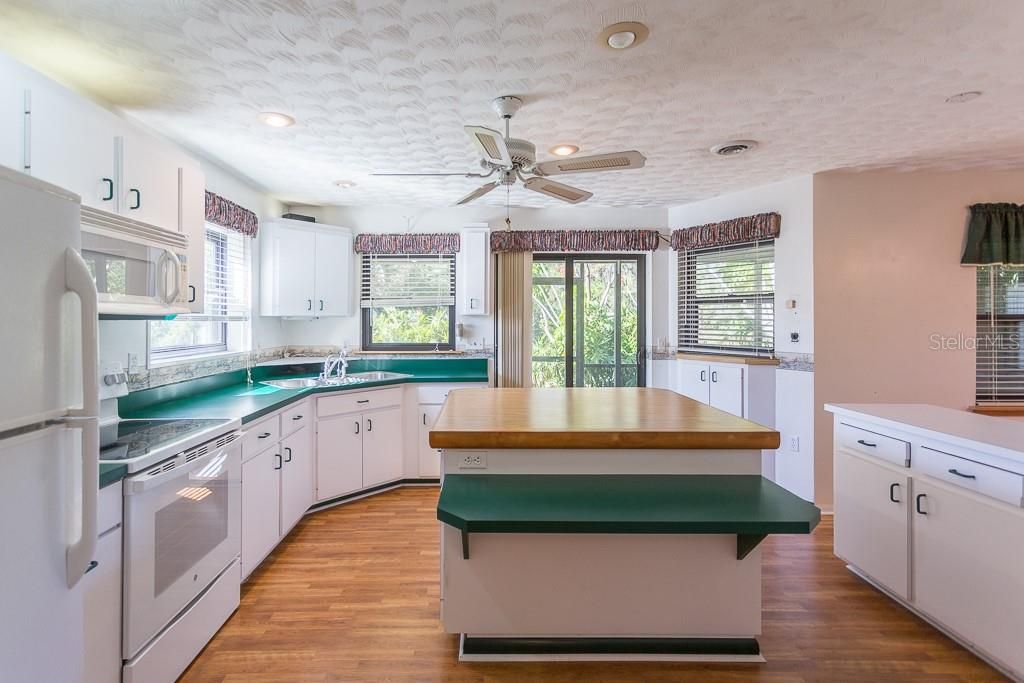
(594, 289)
(410, 324)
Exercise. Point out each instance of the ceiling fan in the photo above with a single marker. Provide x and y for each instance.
(515, 159)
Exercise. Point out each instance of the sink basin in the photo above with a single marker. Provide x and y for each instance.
(377, 376)
(297, 383)
(341, 381)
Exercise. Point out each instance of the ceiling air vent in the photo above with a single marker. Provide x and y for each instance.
(733, 148)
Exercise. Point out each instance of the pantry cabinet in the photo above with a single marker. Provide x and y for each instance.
(306, 271)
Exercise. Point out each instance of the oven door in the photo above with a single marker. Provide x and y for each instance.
(133, 277)
(182, 528)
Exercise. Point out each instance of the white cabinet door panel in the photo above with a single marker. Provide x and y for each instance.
(192, 222)
(102, 594)
(339, 456)
(726, 392)
(296, 477)
(871, 519)
(293, 271)
(429, 458)
(149, 191)
(694, 381)
(12, 115)
(382, 446)
(969, 567)
(473, 260)
(261, 507)
(334, 276)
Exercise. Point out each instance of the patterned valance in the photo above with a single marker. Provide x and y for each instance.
(763, 226)
(574, 240)
(404, 243)
(227, 214)
(995, 236)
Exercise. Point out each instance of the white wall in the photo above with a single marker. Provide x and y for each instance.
(794, 280)
(479, 330)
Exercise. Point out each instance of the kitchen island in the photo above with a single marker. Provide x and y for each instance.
(604, 523)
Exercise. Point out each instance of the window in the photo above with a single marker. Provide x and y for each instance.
(727, 299)
(224, 326)
(1000, 320)
(408, 302)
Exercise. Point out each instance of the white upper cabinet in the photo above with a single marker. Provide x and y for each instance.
(306, 270)
(472, 281)
(12, 115)
(192, 222)
(149, 180)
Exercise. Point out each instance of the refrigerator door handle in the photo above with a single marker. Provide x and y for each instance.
(78, 280)
(81, 552)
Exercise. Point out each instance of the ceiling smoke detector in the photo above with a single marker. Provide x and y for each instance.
(733, 148)
(623, 35)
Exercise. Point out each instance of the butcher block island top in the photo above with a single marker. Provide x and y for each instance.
(612, 418)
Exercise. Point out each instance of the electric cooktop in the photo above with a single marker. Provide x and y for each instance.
(140, 443)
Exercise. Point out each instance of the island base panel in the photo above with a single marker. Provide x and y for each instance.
(474, 648)
(595, 461)
(607, 585)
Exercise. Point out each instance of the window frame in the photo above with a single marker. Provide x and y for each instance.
(990, 363)
(366, 318)
(689, 322)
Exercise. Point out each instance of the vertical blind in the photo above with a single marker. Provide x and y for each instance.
(727, 299)
(407, 280)
(999, 359)
(226, 277)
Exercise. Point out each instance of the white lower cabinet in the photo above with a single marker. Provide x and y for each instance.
(261, 507)
(382, 446)
(871, 519)
(297, 477)
(429, 459)
(969, 567)
(101, 591)
(357, 450)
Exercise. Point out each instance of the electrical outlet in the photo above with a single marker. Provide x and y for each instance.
(473, 460)
(794, 444)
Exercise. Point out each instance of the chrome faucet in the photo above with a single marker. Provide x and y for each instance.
(336, 365)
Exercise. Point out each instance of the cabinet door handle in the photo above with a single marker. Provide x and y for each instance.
(192, 294)
(862, 442)
(263, 435)
(92, 565)
(892, 493)
(138, 199)
(297, 417)
(714, 376)
(703, 375)
(961, 474)
(280, 463)
(110, 189)
(917, 504)
(289, 458)
(321, 304)
(357, 426)
(363, 400)
(369, 424)
(424, 419)
(309, 304)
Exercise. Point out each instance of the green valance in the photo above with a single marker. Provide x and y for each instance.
(995, 235)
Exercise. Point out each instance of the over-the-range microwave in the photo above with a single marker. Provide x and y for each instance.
(140, 270)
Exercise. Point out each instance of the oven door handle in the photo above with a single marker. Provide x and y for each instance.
(142, 481)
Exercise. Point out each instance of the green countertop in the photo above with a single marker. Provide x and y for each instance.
(111, 473)
(749, 506)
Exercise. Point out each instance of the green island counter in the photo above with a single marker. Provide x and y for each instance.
(604, 524)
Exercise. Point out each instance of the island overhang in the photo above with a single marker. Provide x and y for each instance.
(590, 418)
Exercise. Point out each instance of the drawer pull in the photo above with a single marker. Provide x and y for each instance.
(263, 435)
(297, 417)
(917, 504)
(363, 400)
(862, 442)
(892, 493)
(961, 474)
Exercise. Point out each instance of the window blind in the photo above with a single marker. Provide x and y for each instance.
(1000, 321)
(227, 276)
(726, 299)
(407, 280)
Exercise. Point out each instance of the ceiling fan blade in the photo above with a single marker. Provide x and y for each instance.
(566, 193)
(477, 193)
(616, 161)
(490, 144)
(460, 175)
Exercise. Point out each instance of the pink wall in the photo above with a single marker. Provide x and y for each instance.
(887, 277)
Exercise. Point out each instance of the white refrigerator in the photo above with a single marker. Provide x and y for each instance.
(49, 431)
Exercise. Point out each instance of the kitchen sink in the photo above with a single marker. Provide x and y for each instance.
(297, 383)
(377, 376)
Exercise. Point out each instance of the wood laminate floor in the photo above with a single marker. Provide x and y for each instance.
(352, 595)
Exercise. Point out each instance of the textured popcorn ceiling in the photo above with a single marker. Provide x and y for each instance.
(387, 85)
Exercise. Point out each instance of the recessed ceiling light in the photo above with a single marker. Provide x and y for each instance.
(275, 119)
(962, 97)
(345, 184)
(733, 148)
(564, 150)
(623, 35)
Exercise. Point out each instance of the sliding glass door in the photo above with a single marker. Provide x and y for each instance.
(588, 320)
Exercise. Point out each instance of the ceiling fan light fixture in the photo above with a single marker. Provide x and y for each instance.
(564, 150)
(276, 119)
(623, 35)
(733, 148)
